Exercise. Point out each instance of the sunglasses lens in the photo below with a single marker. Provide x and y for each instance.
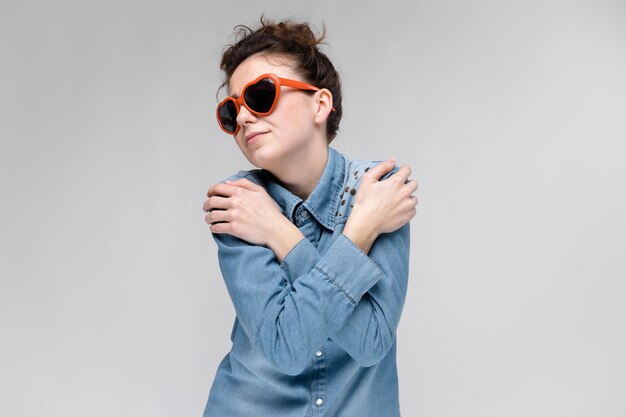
(228, 116)
(261, 95)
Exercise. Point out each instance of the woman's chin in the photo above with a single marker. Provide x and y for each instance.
(263, 159)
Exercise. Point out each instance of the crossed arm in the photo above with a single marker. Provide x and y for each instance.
(345, 294)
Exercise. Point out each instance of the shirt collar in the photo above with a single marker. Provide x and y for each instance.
(322, 203)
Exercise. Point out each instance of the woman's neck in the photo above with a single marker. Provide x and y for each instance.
(301, 175)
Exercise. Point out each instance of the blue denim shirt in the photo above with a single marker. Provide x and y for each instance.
(314, 335)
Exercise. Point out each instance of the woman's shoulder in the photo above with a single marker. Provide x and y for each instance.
(353, 173)
(255, 175)
(356, 168)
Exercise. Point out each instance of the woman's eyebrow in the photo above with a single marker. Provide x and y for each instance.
(228, 90)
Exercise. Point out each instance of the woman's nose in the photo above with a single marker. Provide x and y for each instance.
(245, 116)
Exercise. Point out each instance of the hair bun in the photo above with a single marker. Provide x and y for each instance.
(300, 33)
(297, 34)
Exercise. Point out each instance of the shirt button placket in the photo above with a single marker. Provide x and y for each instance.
(320, 386)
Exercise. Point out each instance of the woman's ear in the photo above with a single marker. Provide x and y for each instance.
(324, 105)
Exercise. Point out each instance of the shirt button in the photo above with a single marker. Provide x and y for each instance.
(304, 214)
(319, 402)
(318, 353)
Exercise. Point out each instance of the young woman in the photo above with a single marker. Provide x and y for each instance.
(313, 247)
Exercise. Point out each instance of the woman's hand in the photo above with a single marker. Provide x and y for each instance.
(245, 210)
(381, 206)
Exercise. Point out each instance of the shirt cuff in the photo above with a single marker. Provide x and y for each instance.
(348, 267)
(300, 260)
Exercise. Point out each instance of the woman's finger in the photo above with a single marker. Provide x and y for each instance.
(216, 202)
(216, 216)
(220, 228)
(411, 185)
(221, 189)
(381, 169)
(404, 173)
(245, 183)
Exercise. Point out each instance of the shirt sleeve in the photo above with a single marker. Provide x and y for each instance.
(288, 320)
(370, 331)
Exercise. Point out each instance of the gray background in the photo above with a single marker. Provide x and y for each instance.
(510, 113)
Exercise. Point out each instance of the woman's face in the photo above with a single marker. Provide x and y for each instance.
(281, 137)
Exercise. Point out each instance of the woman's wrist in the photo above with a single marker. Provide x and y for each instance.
(283, 239)
(360, 232)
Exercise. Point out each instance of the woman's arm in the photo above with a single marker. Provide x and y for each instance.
(244, 209)
(370, 331)
(290, 319)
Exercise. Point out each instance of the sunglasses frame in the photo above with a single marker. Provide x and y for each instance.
(278, 83)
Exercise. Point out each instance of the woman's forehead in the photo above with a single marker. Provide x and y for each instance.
(259, 64)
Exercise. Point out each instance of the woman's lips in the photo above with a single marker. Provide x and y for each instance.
(253, 137)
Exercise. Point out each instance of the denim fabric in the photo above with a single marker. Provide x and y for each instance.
(314, 335)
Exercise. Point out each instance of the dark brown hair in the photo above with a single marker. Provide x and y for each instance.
(297, 42)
